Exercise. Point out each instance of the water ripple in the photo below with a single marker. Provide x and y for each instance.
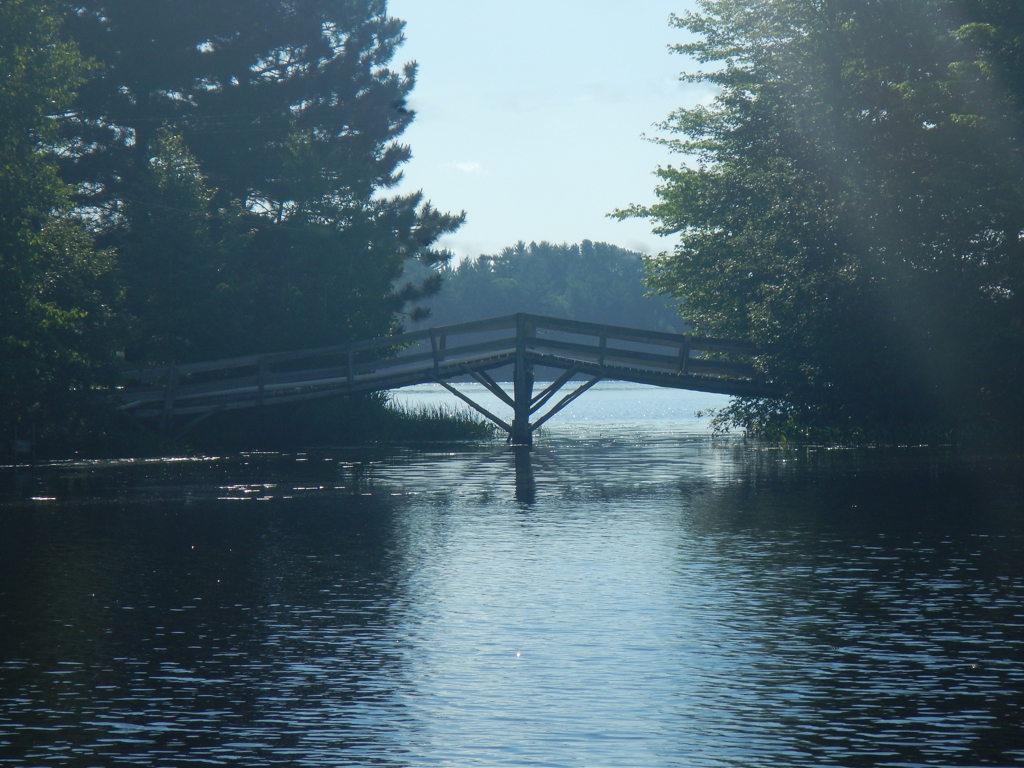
(674, 602)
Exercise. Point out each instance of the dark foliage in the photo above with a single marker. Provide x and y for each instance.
(356, 420)
(58, 300)
(184, 180)
(237, 155)
(854, 204)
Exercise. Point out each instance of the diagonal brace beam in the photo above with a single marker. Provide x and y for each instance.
(549, 392)
(483, 378)
(503, 424)
(180, 433)
(564, 402)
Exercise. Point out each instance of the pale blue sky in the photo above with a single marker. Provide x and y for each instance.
(530, 115)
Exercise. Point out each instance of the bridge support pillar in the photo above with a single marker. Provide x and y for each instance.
(523, 388)
(521, 432)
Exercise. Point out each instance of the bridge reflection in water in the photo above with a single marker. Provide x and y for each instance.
(175, 398)
(526, 483)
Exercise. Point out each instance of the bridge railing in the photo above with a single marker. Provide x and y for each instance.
(430, 354)
(635, 348)
(274, 376)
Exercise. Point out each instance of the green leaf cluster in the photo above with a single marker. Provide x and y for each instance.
(852, 201)
(59, 324)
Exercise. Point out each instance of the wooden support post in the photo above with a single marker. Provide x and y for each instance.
(523, 385)
(684, 355)
(167, 416)
(261, 379)
(435, 352)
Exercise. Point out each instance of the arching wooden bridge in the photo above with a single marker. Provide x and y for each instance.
(176, 397)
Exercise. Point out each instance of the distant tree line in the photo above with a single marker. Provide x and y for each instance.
(182, 180)
(594, 282)
(852, 201)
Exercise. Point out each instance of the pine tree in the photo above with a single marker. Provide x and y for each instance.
(292, 117)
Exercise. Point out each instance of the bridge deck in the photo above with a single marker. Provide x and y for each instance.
(171, 394)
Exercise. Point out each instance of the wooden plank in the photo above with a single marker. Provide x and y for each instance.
(275, 380)
(457, 355)
(594, 352)
(697, 383)
(663, 338)
(722, 368)
(702, 367)
(244, 361)
(298, 391)
(705, 344)
(619, 332)
(647, 359)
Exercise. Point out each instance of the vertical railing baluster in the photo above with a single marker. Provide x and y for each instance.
(167, 417)
(434, 352)
(684, 355)
(261, 375)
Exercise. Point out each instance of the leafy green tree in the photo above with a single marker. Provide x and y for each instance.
(58, 324)
(595, 282)
(284, 112)
(852, 203)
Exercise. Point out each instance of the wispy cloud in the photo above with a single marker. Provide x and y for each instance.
(472, 168)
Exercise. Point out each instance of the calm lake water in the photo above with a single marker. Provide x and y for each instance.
(634, 594)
